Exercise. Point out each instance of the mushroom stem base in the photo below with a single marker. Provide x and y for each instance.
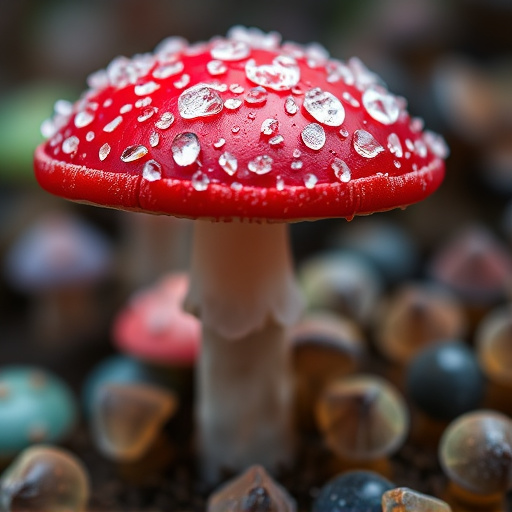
(244, 407)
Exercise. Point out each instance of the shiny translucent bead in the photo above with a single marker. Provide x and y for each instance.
(253, 491)
(126, 418)
(354, 491)
(417, 315)
(403, 499)
(445, 380)
(362, 417)
(476, 452)
(324, 347)
(44, 478)
(494, 345)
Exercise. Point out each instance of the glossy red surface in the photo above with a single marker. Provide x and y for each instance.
(382, 182)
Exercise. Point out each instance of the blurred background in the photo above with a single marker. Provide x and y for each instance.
(452, 60)
(66, 270)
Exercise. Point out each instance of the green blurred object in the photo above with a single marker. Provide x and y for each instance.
(21, 113)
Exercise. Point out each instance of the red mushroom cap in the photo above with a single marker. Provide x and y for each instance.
(239, 127)
(154, 327)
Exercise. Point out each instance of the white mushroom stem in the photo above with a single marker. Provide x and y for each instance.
(243, 289)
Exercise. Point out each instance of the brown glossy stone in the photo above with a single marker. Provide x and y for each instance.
(476, 452)
(415, 316)
(44, 478)
(127, 418)
(362, 417)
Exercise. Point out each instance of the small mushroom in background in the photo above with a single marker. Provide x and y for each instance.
(154, 327)
(254, 490)
(58, 261)
(341, 282)
(35, 406)
(45, 478)
(252, 134)
(363, 419)
(476, 266)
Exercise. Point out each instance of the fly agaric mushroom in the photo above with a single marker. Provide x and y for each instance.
(253, 133)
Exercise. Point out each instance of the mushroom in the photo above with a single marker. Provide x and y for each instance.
(249, 134)
(153, 326)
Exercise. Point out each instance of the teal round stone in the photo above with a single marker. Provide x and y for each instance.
(35, 406)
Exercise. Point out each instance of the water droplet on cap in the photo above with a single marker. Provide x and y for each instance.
(152, 171)
(70, 145)
(310, 180)
(296, 153)
(290, 106)
(110, 127)
(436, 144)
(84, 118)
(230, 50)
(233, 103)
(256, 96)
(147, 88)
(350, 99)
(216, 67)
(185, 148)
(343, 133)
(341, 170)
(228, 162)
(381, 105)
(144, 102)
(182, 82)
(199, 101)
(146, 114)
(281, 75)
(218, 144)
(168, 70)
(262, 164)
(200, 181)
(104, 151)
(166, 119)
(421, 148)
(132, 153)
(313, 136)
(366, 145)
(324, 107)
(235, 129)
(236, 88)
(269, 126)
(154, 139)
(394, 145)
(278, 139)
